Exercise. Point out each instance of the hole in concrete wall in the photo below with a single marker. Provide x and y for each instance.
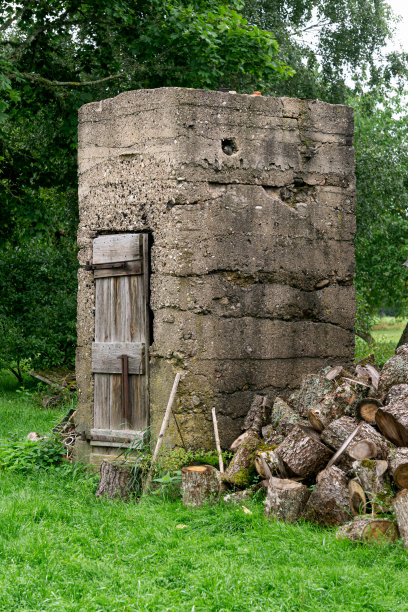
(229, 146)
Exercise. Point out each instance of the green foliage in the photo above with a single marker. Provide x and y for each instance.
(381, 142)
(24, 455)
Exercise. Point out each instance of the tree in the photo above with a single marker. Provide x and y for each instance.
(56, 56)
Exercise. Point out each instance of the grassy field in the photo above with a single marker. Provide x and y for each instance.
(386, 333)
(61, 549)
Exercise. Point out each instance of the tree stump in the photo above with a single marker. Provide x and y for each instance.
(285, 499)
(338, 431)
(329, 503)
(392, 421)
(371, 476)
(241, 467)
(366, 409)
(400, 505)
(395, 371)
(398, 462)
(116, 481)
(200, 484)
(358, 500)
(302, 453)
(368, 529)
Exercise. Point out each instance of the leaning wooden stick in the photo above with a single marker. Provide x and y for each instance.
(162, 431)
(344, 446)
(217, 441)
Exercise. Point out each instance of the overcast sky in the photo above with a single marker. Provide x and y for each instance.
(400, 7)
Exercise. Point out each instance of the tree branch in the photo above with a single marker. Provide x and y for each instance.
(39, 79)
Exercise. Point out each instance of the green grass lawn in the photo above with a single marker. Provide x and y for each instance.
(61, 549)
(386, 333)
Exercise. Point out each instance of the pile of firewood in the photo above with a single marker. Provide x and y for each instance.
(336, 449)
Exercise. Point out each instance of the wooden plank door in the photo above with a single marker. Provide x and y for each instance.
(120, 264)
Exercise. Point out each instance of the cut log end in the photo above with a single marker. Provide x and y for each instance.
(364, 449)
(369, 530)
(366, 409)
(200, 483)
(358, 500)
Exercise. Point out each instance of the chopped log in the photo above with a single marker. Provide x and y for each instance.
(272, 460)
(392, 421)
(302, 453)
(338, 431)
(398, 462)
(343, 448)
(116, 481)
(400, 506)
(238, 441)
(313, 389)
(396, 393)
(337, 403)
(199, 484)
(272, 437)
(364, 449)
(368, 529)
(329, 503)
(258, 414)
(358, 500)
(395, 371)
(241, 467)
(371, 476)
(366, 409)
(285, 499)
(238, 497)
(336, 372)
(284, 418)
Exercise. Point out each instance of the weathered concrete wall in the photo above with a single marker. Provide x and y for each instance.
(250, 202)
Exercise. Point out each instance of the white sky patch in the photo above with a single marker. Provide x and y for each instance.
(400, 7)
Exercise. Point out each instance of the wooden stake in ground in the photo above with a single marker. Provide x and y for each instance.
(398, 461)
(368, 529)
(200, 483)
(217, 441)
(116, 481)
(302, 453)
(400, 505)
(285, 499)
(329, 503)
(162, 431)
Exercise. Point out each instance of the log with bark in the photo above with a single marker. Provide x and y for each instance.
(400, 506)
(272, 460)
(329, 502)
(116, 481)
(339, 402)
(200, 484)
(397, 393)
(371, 475)
(302, 453)
(238, 441)
(358, 500)
(258, 414)
(338, 431)
(285, 499)
(241, 468)
(395, 371)
(392, 421)
(313, 389)
(398, 463)
(368, 529)
(366, 409)
(284, 418)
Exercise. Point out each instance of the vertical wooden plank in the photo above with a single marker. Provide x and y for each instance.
(102, 396)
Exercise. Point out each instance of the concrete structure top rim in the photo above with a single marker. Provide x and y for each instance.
(129, 102)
